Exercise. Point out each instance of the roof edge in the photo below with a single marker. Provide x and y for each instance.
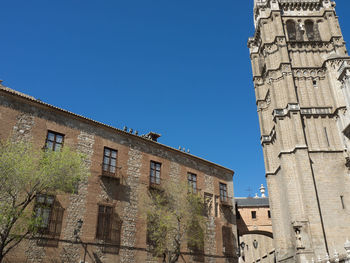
(13, 92)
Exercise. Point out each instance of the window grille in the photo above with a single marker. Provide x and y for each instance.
(49, 213)
(108, 229)
(227, 241)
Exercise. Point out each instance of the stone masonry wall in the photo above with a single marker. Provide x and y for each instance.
(22, 129)
(210, 238)
(77, 207)
(131, 209)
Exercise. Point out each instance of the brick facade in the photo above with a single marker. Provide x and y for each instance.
(24, 117)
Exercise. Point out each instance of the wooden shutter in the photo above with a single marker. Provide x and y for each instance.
(113, 240)
(52, 236)
(100, 222)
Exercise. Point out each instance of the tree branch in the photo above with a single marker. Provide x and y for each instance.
(5, 251)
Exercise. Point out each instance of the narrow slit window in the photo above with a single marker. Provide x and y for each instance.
(342, 201)
(326, 134)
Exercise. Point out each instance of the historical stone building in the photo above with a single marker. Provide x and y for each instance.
(105, 211)
(254, 229)
(296, 54)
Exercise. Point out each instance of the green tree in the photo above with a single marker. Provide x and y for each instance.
(26, 172)
(174, 217)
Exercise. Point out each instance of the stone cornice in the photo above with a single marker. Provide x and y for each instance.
(293, 150)
(268, 138)
(273, 172)
(300, 4)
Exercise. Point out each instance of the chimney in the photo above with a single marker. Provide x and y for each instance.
(153, 136)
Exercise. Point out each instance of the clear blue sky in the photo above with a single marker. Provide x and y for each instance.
(177, 67)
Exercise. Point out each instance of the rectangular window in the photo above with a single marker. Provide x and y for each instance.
(43, 209)
(268, 214)
(223, 192)
(228, 241)
(104, 222)
(155, 172)
(108, 229)
(49, 213)
(192, 182)
(109, 160)
(54, 141)
(254, 214)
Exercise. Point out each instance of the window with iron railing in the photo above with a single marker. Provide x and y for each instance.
(192, 182)
(155, 173)
(109, 165)
(54, 141)
(223, 192)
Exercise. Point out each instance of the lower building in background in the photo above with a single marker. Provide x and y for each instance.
(254, 229)
(102, 221)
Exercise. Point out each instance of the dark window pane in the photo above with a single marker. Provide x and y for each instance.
(58, 147)
(45, 217)
(51, 136)
(107, 152)
(40, 199)
(59, 138)
(50, 200)
(49, 145)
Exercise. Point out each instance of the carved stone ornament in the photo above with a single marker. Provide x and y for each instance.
(347, 162)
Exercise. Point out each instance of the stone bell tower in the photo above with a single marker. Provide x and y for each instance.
(296, 53)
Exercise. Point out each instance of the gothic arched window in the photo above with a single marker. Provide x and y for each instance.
(310, 29)
(291, 29)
